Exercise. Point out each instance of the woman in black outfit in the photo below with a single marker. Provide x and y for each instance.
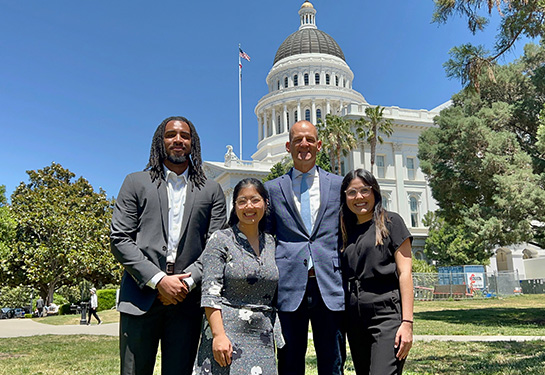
(376, 261)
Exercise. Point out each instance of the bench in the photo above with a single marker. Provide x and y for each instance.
(451, 291)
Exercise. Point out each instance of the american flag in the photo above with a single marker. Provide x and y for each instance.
(243, 54)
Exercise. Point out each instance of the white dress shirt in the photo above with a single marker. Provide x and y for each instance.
(176, 192)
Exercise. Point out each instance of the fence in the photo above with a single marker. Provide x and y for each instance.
(429, 286)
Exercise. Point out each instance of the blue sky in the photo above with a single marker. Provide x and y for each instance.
(85, 83)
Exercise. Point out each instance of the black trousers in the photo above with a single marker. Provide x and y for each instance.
(373, 321)
(328, 336)
(176, 327)
(92, 311)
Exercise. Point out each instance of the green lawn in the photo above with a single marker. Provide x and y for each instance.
(521, 315)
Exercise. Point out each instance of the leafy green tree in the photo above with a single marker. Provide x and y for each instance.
(16, 297)
(62, 233)
(453, 245)
(370, 128)
(283, 166)
(483, 163)
(7, 231)
(337, 139)
(518, 19)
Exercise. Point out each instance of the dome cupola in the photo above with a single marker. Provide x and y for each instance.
(308, 39)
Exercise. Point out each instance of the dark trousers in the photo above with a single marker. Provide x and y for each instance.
(328, 336)
(372, 326)
(177, 327)
(92, 311)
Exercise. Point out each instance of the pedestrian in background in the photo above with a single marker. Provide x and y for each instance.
(93, 307)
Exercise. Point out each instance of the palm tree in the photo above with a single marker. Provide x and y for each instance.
(337, 139)
(369, 129)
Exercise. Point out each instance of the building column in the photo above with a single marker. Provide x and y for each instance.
(313, 112)
(285, 118)
(402, 204)
(260, 127)
(327, 107)
(273, 121)
(299, 114)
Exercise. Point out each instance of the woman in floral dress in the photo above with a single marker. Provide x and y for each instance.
(239, 283)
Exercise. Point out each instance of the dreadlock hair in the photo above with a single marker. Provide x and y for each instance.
(158, 153)
(349, 220)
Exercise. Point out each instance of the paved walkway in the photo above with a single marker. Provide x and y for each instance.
(28, 327)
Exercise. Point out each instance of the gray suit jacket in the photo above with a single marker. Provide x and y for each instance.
(295, 244)
(139, 236)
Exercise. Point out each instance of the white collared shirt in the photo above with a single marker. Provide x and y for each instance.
(313, 182)
(176, 192)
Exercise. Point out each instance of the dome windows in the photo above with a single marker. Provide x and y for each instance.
(295, 80)
(306, 79)
(317, 78)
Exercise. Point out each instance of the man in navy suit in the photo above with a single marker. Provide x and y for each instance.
(305, 218)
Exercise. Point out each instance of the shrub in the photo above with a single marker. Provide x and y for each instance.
(106, 299)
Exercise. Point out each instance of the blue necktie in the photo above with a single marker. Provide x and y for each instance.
(305, 202)
(305, 210)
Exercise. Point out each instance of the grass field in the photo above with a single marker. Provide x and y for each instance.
(521, 315)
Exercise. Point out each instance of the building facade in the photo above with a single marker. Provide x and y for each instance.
(309, 79)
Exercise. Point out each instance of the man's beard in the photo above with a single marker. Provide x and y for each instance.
(180, 159)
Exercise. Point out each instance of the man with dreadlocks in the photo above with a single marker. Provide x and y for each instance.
(161, 221)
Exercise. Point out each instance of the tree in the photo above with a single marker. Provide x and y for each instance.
(337, 139)
(7, 230)
(283, 166)
(519, 18)
(483, 163)
(452, 245)
(370, 128)
(62, 233)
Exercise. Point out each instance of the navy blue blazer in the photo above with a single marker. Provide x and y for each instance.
(295, 244)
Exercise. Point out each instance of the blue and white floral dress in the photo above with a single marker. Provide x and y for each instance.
(242, 285)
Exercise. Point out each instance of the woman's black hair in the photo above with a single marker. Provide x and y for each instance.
(349, 220)
(260, 188)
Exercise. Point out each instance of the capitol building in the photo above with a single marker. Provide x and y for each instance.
(309, 79)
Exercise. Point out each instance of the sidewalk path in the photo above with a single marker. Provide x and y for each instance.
(28, 327)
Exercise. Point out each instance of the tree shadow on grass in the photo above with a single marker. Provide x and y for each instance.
(484, 358)
(488, 317)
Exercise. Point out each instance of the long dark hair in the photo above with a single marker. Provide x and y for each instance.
(260, 188)
(158, 153)
(349, 220)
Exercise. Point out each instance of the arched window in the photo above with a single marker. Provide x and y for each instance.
(317, 78)
(285, 82)
(336, 80)
(295, 116)
(295, 80)
(318, 114)
(288, 120)
(414, 212)
(327, 79)
(279, 129)
(306, 79)
(278, 85)
(307, 114)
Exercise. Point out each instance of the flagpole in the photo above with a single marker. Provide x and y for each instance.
(240, 102)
